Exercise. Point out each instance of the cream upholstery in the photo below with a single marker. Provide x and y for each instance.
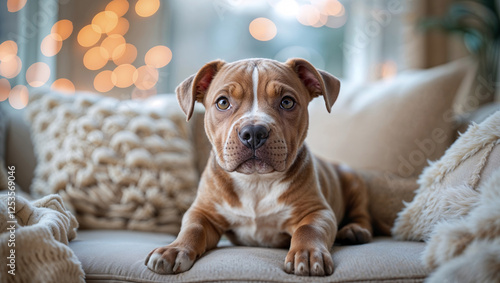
(120, 255)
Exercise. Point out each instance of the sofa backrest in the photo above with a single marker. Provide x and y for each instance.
(18, 147)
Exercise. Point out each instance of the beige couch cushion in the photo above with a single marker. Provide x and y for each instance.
(119, 256)
(120, 164)
(394, 125)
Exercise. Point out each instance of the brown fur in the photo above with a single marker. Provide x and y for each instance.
(310, 198)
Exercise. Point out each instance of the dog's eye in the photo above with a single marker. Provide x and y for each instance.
(223, 103)
(287, 103)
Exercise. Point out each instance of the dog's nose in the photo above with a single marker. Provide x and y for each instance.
(253, 136)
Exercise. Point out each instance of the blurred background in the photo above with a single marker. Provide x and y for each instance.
(132, 49)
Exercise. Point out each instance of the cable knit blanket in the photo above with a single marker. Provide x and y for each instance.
(34, 240)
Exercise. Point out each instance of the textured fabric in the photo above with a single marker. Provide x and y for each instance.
(121, 165)
(449, 187)
(42, 232)
(475, 239)
(105, 259)
(393, 126)
(387, 193)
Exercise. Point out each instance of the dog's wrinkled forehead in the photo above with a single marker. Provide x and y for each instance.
(251, 73)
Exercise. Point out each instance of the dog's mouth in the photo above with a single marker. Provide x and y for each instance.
(254, 165)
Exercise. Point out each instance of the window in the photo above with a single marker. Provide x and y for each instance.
(137, 48)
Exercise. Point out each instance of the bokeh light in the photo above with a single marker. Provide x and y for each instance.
(63, 85)
(111, 42)
(7, 48)
(38, 74)
(10, 66)
(146, 77)
(124, 54)
(4, 89)
(19, 97)
(51, 44)
(124, 76)
(95, 58)
(106, 21)
(63, 28)
(321, 21)
(262, 29)
(147, 8)
(308, 15)
(287, 8)
(89, 35)
(121, 28)
(102, 81)
(388, 69)
(328, 7)
(336, 21)
(158, 56)
(15, 5)
(119, 7)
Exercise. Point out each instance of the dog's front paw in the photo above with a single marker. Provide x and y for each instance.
(309, 262)
(170, 259)
(353, 234)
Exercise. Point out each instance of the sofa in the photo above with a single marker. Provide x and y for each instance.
(373, 114)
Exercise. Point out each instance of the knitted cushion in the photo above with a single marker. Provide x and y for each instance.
(120, 164)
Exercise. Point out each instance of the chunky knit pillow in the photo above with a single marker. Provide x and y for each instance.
(120, 164)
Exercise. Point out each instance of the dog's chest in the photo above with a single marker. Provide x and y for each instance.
(260, 219)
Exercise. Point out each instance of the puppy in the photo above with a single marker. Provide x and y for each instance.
(262, 186)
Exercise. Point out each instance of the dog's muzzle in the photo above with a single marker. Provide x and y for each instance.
(253, 136)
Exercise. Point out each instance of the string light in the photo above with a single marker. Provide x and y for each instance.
(102, 81)
(123, 76)
(119, 7)
(262, 29)
(38, 74)
(147, 8)
(89, 35)
(63, 85)
(15, 5)
(158, 56)
(19, 97)
(10, 66)
(95, 58)
(4, 89)
(63, 28)
(51, 44)
(146, 77)
(7, 48)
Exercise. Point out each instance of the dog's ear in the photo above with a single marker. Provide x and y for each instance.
(196, 86)
(317, 82)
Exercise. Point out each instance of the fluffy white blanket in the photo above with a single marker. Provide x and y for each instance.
(34, 238)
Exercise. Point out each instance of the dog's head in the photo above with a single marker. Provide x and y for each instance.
(256, 110)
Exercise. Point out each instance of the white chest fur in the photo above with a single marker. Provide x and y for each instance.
(259, 220)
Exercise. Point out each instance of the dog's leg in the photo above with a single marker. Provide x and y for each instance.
(357, 228)
(198, 235)
(310, 246)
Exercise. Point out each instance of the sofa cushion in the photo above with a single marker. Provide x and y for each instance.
(449, 187)
(119, 256)
(120, 164)
(394, 125)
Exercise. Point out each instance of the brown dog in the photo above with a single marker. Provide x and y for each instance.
(262, 186)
